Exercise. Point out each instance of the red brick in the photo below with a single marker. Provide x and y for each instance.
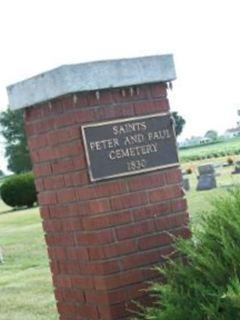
(144, 259)
(44, 212)
(81, 100)
(72, 224)
(53, 138)
(151, 107)
(46, 154)
(84, 268)
(78, 311)
(112, 250)
(172, 221)
(58, 211)
(54, 182)
(93, 238)
(106, 97)
(81, 208)
(37, 142)
(62, 281)
(47, 198)
(128, 201)
(54, 267)
(135, 230)
(111, 112)
(77, 253)
(52, 225)
(174, 176)
(104, 297)
(159, 90)
(116, 311)
(146, 181)
(85, 115)
(69, 134)
(68, 150)
(66, 196)
(44, 125)
(152, 211)
(137, 290)
(29, 129)
(33, 113)
(166, 193)
(67, 102)
(102, 190)
(79, 163)
(54, 107)
(69, 295)
(142, 92)
(123, 95)
(70, 267)
(57, 253)
(83, 282)
(184, 233)
(39, 184)
(76, 178)
(65, 120)
(179, 205)
(41, 170)
(152, 241)
(118, 280)
(103, 268)
(62, 166)
(93, 98)
(87, 223)
(60, 239)
(91, 207)
(101, 222)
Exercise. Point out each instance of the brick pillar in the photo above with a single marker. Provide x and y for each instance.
(102, 237)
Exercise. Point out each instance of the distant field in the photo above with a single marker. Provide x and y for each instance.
(220, 149)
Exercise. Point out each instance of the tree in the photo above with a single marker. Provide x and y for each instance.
(179, 122)
(211, 134)
(17, 153)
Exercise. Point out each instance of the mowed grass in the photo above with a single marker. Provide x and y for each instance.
(26, 291)
(25, 282)
(225, 147)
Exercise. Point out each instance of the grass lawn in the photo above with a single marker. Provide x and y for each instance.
(25, 282)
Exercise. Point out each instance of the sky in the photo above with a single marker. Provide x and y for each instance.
(203, 36)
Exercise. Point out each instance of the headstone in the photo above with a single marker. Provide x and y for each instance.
(108, 179)
(237, 168)
(186, 184)
(206, 178)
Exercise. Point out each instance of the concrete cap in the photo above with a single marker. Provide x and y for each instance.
(90, 76)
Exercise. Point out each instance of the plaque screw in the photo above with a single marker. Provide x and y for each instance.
(75, 98)
(97, 95)
(123, 93)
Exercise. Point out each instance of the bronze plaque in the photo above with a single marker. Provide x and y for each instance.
(129, 146)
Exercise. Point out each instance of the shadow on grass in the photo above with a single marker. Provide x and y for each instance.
(18, 209)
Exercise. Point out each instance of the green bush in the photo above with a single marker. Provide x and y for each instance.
(19, 190)
(207, 286)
